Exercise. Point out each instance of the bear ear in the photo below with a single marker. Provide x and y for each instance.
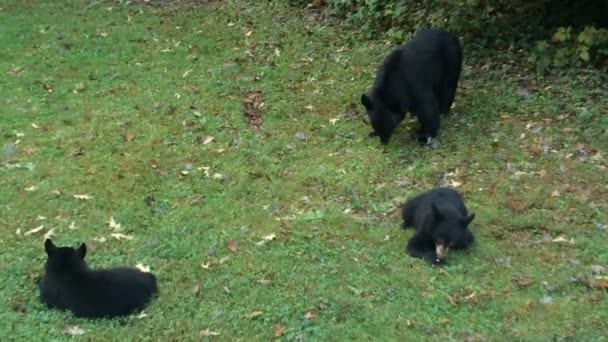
(367, 102)
(82, 250)
(468, 219)
(436, 213)
(49, 247)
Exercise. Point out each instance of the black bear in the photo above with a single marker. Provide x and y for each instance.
(441, 222)
(69, 284)
(420, 77)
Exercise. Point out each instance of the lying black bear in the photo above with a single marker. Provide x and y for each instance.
(69, 284)
(441, 222)
(420, 77)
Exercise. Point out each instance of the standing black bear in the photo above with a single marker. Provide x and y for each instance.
(69, 284)
(441, 222)
(420, 77)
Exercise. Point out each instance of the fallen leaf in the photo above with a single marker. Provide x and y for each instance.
(555, 193)
(309, 107)
(205, 265)
(311, 314)
(72, 226)
(100, 239)
(333, 121)
(524, 281)
(143, 268)
(82, 197)
(119, 236)
(564, 240)
(34, 231)
(207, 332)
(602, 283)
(31, 188)
(142, 315)
(208, 140)
(264, 281)
(80, 86)
(253, 102)
(232, 245)
(128, 137)
(49, 234)
(218, 176)
(74, 330)
(254, 314)
(278, 330)
(113, 224)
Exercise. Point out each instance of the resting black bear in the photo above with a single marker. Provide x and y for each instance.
(69, 284)
(441, 222)
(420, 77)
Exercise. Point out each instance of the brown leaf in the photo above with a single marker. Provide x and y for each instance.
(601, 283)
(253, 102)
(254, 314)
(278, 330)
(128, 136)
(233, 245)
(524, 281)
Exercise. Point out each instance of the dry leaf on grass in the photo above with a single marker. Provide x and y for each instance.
(113, 224)
(601, 283)
(119, 236)
(278, 330)
(561, 239)
(82, 197)
(254, 314)
(253, 101)
(524, 281)
(208, 140)
(74, 330)
(208, 333)
(311, 314)
(143, 268)
(266, 238)
(34, 230)
(31, 188)
(72, 226)
(49, 234)
(233, 245)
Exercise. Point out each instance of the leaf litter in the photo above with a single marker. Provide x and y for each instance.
(253, 102)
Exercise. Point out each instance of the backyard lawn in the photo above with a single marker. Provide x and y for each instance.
(223, 145)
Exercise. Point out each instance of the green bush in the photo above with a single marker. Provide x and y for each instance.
(498, 24)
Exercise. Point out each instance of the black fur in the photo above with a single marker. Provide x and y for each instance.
(69, 284)
(420, 77)
(440, 219)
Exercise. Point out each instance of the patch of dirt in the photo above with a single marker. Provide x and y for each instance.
(253, 102)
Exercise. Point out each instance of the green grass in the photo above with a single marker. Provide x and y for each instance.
(157, 81)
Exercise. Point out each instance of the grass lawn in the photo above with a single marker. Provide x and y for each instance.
(291, 229)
